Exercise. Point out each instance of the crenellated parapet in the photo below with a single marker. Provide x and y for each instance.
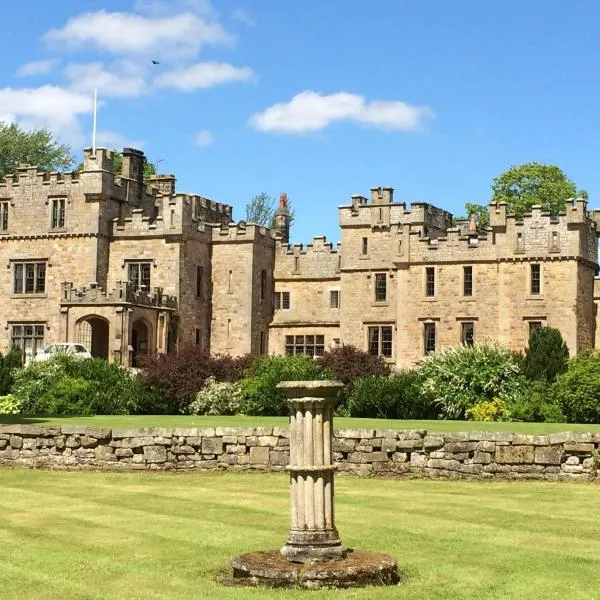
(122, 294)
(243, 232)
(31, 176)
(317, 260)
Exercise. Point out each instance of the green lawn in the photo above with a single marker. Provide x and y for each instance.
(93, 536)
(340, 423)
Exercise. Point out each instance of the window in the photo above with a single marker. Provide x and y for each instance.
(263, 343)
(199, 337)
(365, 246)
(263, 284)
(380, 340)
(467, 281)
(139, 276)
(430, 281)
(429, 337)
(467, 333)
(380, 287)
(334, 298)
(29, 338)
(296, 264)
(29, 278)
(282, 300)
(533, 326)
(3, 216)
(57, 220)
(199, 281)
(312, 345)
(536, 281)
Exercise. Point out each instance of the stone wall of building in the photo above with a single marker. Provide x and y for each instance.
(365, 452)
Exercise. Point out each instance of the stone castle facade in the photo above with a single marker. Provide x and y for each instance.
(127, 267)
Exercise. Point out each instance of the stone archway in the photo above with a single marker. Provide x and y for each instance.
(92, 332)
(140, 340)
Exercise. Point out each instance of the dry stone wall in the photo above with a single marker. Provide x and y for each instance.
(365, 452)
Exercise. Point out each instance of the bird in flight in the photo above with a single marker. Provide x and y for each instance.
(155, 62)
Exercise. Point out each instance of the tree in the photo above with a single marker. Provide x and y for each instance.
(525, 185)
(481, 212)
(35, 147)
(261, 210)
(547, 355)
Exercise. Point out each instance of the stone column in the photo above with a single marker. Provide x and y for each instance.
(313, 535)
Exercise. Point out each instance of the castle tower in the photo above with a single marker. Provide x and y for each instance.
(282, 219)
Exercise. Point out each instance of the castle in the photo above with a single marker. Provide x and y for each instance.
(128, 267)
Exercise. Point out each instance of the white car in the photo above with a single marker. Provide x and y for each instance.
(77, 350)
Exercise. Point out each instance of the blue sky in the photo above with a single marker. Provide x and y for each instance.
(320, 99)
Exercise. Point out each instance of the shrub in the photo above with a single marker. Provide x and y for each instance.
(396, 397)
(488, 410)
(9, 405)
(537, 405)
(457, 378)
(217, 398)
(577, 390)
(71, 386)
(8, 364)
(178, 377)
(348, 363)
(259, 394)
(547, 355)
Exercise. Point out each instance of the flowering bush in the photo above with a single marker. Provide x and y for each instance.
(488, 410)
(217, 398)
(457, 378)
(9, 405)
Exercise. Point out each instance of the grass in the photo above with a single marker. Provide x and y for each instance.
(97, 536)
(340, 423)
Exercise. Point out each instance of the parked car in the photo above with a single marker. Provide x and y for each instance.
(77, 350)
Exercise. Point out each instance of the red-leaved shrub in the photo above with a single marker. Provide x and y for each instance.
(348, 364)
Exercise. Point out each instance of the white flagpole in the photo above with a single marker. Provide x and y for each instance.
(94, 126)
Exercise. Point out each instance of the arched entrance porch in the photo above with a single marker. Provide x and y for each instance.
(140, 340)
(92, 331)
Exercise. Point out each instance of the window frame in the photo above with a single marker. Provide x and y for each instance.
(380, 290)
(199, 281)
(468, 281)
(365, 246)
(378, 343)
(4, 208)
(25, 271)
(57, 213)
(37, 336)
(464, 338)
(280, 299)
(429, 282)
(334, 304)
(301, 343)
(535, 279)
(140, 279)
(429, 338)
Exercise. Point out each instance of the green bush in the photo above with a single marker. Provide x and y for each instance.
(537, 405)
(488, 410)
(217, 398)
(455, 379)
(396, 397)
(577, 390)
(9, 405)
(8, 364)
(547, 355)
(259, 394)
(71, 386)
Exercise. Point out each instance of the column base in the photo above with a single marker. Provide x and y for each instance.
(313, 546)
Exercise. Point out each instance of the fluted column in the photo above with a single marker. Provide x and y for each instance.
(313, 535)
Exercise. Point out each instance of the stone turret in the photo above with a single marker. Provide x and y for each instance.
(282, 219)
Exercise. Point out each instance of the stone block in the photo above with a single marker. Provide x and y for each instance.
(548, 455)
(73, 441)
(123, 452)
(437, 454)
(226, 431)
(457, 447)
(572, 468)
(378, 457)
(284, 442)
(483, 458)
(580, 447)
(500, 436)
(29, 444)
(104, 453)
(73, 429)
(432, 442)
(279, 458)
(16, 441)
(363, 448)
(410, 444)
(400, 457)
(387, 433)
(182, 450)
(155, 454)
(230, 439)
(212, 445)
(354, 433)
(3, 444)
(100, 433)
(474, 469)
(190, 432)
(162, 441)
(259, 431)
(358, 457)
(417, 459)
(343, 445)
(281, 432)
(267, 440)
(88, 442)
(486, 446)
(259, 455)
(194, 441)
(440, 463)
(572, 460)
(235, 449)
(388, 445)
(514, 454)
(457, 436)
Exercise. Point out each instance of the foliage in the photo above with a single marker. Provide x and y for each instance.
(259, 393)
(9, 405)
(457, 378)
(546, 356)
(8, 364)
(481, 212)
(525, 185)
(36, 147)
(261, 209)
(117, 165)
(71, 386)
(348, 363)
(178, 377)
(577, 390)
(488, 410)
(217, 398)
(537, 405)
(396, 397)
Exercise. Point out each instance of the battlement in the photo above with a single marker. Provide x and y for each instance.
(317, 260)
(122, 294)
(31, 175)
(243, 232)
(575, 212)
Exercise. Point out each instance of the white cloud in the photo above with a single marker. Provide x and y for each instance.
(36, 67)
(116, 141)
(203, 75)
(239, 14)
(204, 138)
(163, 7)
(129, 33)
(311, 111)
(123, 79)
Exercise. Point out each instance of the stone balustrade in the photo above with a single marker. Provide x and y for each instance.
(365, 452)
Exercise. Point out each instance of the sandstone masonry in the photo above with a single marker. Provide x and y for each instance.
(364, 452)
